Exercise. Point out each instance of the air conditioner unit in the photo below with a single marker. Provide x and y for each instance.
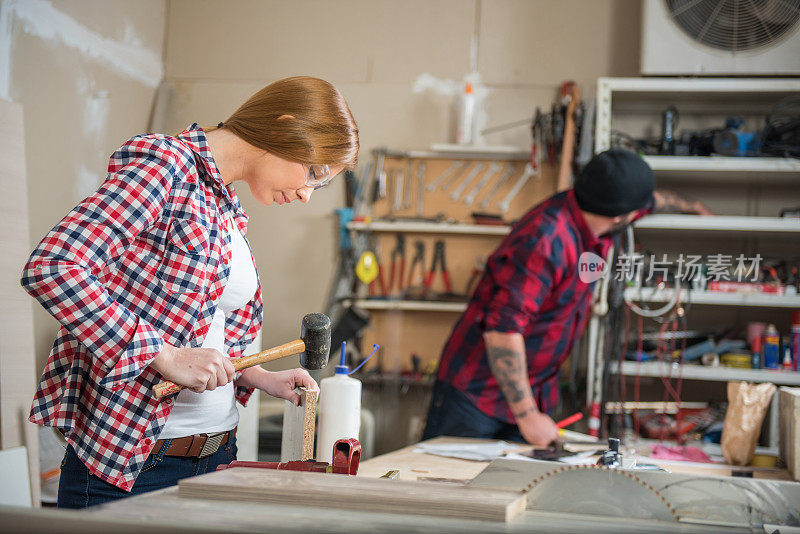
(721, 37)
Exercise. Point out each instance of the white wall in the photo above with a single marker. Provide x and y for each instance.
(86, 72)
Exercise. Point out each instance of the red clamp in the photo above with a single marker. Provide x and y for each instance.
(345, 460)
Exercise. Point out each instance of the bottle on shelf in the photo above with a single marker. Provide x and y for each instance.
(795, 340)
(465, 132)
(772, 345)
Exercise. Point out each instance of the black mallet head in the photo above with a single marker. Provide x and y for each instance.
(316, 335)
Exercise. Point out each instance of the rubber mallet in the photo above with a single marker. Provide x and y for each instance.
(314, 347)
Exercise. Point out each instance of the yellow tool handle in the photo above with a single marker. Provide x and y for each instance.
(297, 346)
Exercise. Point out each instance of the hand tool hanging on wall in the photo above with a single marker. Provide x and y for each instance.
(586, 143)
(398, 191)
(506, 202)
(391, 185)
(417, 261)
(455, 166)
(409, 177)
(493, 168)
(468, 180)
(313, 347)
(572, 93)
(556, 133)
(456, 176)
(421, 188)
(367, 267)
(475, 275)
(510, 170)
(398, 265)
(438, 261)
(380, 175)
(381, 279)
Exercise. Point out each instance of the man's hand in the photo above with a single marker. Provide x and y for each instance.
(279, 384)
(537, 428)
(667, 201)
(198, 369)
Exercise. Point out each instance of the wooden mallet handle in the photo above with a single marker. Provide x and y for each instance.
(297, 346)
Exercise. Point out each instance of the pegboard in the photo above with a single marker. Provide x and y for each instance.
(402, 334)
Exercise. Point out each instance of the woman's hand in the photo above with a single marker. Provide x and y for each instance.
(279, 384)
(198, 369)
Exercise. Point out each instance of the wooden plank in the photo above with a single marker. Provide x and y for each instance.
(354, 493)
(17, 357)
(299, 423)
(789, 423)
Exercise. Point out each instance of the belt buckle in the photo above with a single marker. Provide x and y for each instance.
(212, 444)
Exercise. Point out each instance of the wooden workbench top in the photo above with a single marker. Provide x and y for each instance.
(165, 511)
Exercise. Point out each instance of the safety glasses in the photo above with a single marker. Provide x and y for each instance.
(318, 176)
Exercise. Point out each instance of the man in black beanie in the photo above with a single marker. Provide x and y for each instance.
(498, 374)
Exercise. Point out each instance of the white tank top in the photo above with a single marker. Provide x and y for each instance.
(215, 411)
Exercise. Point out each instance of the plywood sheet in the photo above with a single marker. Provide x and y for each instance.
(790, 429)
(17, 358)
(354, 493)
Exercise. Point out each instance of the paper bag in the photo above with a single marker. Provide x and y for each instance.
(747, 405)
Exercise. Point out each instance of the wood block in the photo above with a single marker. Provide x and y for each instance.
(354, 493)
(299, 423)
(789, 423)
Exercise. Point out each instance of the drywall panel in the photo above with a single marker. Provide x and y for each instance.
(548, 41)
(342, 41)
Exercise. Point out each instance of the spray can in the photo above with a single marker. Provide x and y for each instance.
(772, 347)
(339, 409)
(795, 339)
(465, 132)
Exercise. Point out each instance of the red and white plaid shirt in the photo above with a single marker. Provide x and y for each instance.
(139, 263)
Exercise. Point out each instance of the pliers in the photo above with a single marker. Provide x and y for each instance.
(418, 259)
(438, 259)
(398, 263)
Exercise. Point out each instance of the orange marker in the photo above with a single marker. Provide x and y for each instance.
(569, 420)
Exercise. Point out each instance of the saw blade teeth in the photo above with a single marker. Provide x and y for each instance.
(617, 471)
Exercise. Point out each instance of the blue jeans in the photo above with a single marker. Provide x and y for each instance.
(453, 414)
(79, 488)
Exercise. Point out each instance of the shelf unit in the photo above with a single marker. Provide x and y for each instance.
(704, 96)
(705, 90)
(719, 223)
(702, 372)
(718, 298)
(409, 305)
(414, 227)
(722, 164)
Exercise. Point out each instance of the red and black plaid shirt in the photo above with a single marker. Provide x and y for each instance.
(530, 286)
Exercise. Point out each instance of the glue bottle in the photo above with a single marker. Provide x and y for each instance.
(339, 409)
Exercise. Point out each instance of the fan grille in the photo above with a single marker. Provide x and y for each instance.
(735, 25)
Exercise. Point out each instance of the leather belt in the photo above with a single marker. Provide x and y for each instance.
(196, 446)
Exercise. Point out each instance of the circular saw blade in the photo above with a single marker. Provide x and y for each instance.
(597, 490)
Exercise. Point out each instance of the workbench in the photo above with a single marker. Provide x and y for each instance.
(165, 511)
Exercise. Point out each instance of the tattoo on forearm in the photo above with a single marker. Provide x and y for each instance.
(523, 413)
(508, 367)
(667, 201)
